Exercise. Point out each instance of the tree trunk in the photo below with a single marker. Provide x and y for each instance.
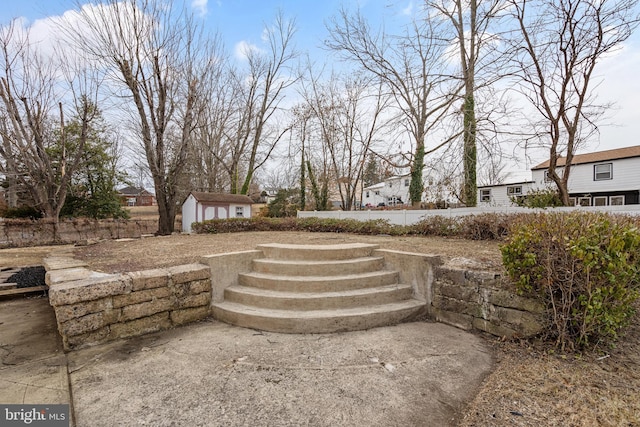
(470, 152)
(416, 186)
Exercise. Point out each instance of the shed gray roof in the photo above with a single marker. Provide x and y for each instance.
(222, 198)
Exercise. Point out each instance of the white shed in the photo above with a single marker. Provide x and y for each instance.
(199, 207)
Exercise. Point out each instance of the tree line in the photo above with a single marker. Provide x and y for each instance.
(146, 72)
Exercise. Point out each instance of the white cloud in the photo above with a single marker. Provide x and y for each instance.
(200, 6)
(243, 49)
(408, 11)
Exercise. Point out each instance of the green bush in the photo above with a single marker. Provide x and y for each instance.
(539, 199)
(585, 268)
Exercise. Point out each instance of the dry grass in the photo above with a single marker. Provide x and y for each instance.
(532, 386)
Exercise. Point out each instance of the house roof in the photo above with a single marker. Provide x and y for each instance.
(374, 186)
(504, 184)
(598, 156)
(134, 191)
(221, 198)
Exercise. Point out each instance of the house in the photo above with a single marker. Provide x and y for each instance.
(610, 177)
(136, 196)
(503, 194)
(199, 207)
(393, 191)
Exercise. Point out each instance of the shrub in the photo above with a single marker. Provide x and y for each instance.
(436, 225)
(585, 268)
(23, 212)
(545, 198)
(485, 226)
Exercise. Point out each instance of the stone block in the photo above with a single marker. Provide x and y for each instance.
(88, 289)
(59, 263)
(504, 298)
(188, 315)
(464, 292)
(189, 273)
(525, 323)
(54, 277)
(484, 277)
(88, 323)
(451, 275)
(203, 299)
(149, 279)
(140, 326)
(457, 306)
(493, 328)
(137, 297)
(462, 321)
(68, 312)
(147, 308)
(200, 286)
(83, 340)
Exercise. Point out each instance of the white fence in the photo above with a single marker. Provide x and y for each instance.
(407, 217)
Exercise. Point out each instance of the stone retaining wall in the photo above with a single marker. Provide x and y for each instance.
(20, 232)
(94, 307)
(479, 300)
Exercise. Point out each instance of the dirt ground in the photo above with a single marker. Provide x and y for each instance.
(531, 385)
(130, 255)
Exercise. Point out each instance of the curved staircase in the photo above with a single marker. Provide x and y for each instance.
(317, 289)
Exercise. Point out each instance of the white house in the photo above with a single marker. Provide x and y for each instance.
(199, 207)
(393, 191)
(610, 177)
(503, 194)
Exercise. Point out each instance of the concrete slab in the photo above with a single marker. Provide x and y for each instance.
(213, 374)
(33, 367)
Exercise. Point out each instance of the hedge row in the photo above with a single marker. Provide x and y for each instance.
(475, 227)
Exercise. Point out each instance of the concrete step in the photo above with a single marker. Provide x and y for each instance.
(317, 252)
(336, 283)
(317, 268)
(278, 300)
(318, 321)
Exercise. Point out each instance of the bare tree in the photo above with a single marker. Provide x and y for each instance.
(470, 21)
(556, 49)
(412, 67)
(253, 129)
(157, 55)
(34, 89)
(348, 111)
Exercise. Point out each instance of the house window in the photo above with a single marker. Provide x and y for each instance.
(600, 201)
(366, 194)
(547, 178)
(584, 201)
(616, 200)
(131, 201)
(406, 182)
(516, 190)
(572, 201)
(602, 171)
(390, 184)
(377, 193)
(485, 195)
(239, 211)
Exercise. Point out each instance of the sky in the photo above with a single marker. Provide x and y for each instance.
(242, 21)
